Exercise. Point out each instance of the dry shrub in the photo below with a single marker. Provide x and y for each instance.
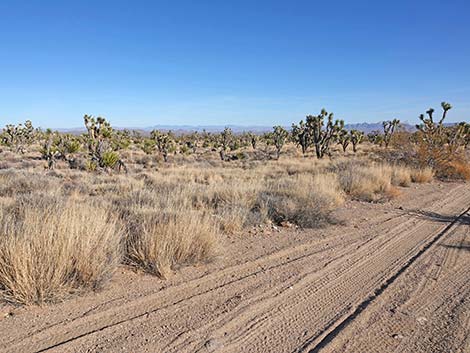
(306, 200)
(234, 202)
(366, 182)
(233, 218)
(422, 175)
(456, 169)
(14, 182)
(401, 176)
(447, 163)
(163, 231)
(51, 248)
(161, 241)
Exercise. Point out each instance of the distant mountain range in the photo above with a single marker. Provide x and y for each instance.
(259, 129)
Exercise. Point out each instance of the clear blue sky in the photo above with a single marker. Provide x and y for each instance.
(142, 63)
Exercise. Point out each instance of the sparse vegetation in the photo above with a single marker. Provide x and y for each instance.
(443, 147)
(66, 229)
(52, 247)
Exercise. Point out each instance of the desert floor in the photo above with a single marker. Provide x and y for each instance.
(391, 277)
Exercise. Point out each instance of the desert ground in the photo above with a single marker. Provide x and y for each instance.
(117, 242)
(387, 277)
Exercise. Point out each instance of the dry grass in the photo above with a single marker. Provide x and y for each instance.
(457, 169)
(367, 181)
(401, 176)
(306, 200)
(422, 175)
(161, 242)
(49, 249)
(159, 220)
(163, 231)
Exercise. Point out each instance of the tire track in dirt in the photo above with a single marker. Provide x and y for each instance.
(219, 280)
(249, 324)
(268, 263)
(330, 262)
(338, 327)
(251, 327)
(421, 312)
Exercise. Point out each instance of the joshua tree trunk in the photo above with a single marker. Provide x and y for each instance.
(318, 151)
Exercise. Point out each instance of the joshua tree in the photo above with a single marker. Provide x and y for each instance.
(375, 137)
(19, 136)
(432, 136)
(225, 138)
(466, 133)
(356, 137)
(343, 138)
(50, 151)
(389, 128)
(301, 136)
(252, 139)
(148, 145)
(100, 146)
(164, 142)
(432, 131)
(323, 135)
(279, 136)
(192, 141)
(457, 136)
(57, 146)
(121, 140)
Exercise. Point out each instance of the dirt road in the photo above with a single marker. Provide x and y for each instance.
(387, 278)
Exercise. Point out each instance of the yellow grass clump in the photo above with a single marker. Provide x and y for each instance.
(49, 249)
(305, 200)
(422, 175)
(161, 242)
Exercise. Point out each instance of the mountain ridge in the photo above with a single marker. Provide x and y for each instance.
(365, 127)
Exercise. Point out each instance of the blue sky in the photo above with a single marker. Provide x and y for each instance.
(142, 63)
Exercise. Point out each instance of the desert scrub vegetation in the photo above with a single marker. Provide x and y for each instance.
(66, 231)
(163, 231)
(434, 145)
(50, 248)
(371, 181)
(76, 206)
(305, 200)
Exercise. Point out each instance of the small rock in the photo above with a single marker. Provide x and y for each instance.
(286, 224)
(421, 320)
(212, 344)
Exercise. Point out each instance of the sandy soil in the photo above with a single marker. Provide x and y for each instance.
(391, 277)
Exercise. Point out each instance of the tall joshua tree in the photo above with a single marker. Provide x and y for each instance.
(225, 139)
(301, 136)
(100, 147)
(343, 138)
(433, 136)
(163, 141)
(279, 136)
(389, 128)
(323, 134)
(356, 137)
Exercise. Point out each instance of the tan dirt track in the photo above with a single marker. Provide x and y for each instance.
(395, 281)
